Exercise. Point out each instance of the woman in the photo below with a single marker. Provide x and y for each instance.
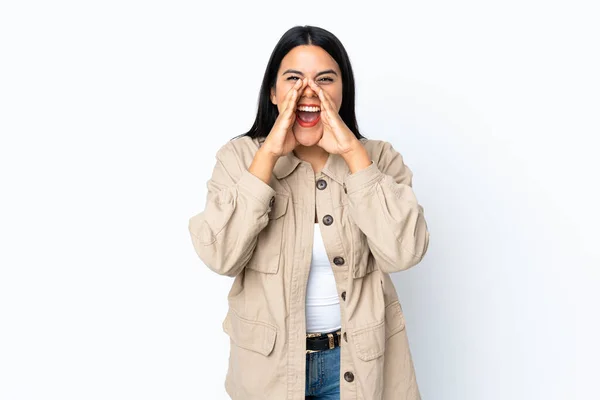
(311, 218)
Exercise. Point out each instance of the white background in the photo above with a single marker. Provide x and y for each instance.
(111, 113)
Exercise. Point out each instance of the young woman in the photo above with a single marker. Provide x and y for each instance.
(311, 218)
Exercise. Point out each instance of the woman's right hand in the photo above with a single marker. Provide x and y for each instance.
(281, 139)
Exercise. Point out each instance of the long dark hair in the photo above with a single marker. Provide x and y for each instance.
(304, 35)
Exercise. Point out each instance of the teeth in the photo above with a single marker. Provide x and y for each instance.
(309, 109)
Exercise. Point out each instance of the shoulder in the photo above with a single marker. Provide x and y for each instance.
(237, 154)
(388, 160)
(381, 152)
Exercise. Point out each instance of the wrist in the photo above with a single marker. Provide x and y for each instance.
(357, 157)
(265, 154)
(355, 147)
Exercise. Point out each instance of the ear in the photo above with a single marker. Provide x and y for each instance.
(273, 97)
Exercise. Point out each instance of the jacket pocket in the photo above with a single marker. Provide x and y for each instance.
(267, 252)
(370, 341)
(394, 319)
(251, 335)
(369, 346)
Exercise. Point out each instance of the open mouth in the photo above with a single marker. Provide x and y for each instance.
(308, 115)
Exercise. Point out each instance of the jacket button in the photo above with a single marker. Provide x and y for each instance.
(338, 260)
(328, 219)
(272, 201)
(321, 184)
(349, 376)
(344, 298)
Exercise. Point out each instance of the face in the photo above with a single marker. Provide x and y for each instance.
(308, 62)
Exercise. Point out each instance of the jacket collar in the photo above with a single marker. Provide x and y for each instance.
(335, 167)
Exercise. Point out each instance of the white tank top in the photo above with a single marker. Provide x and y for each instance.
(322, 300)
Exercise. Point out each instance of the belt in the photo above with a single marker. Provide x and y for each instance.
(322, 341)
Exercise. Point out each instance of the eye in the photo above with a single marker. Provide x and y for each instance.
(326, 79)
(292, 78)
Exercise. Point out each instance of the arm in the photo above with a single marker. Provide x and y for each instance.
(384, 207)
(225, 234)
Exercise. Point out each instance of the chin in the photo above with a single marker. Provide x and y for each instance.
(308, 136)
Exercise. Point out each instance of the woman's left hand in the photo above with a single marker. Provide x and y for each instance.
(337, 137)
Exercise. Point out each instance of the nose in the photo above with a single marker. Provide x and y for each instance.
(309, 92)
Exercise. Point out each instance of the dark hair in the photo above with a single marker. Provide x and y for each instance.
(304, 35)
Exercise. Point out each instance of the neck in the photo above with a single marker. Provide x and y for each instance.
(315, 155)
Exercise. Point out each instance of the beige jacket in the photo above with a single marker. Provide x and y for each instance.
(372, 225)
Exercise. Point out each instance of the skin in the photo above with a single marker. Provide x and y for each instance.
(308, 85)
(309, 62)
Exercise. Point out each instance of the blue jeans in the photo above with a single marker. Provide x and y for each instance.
(323, 375)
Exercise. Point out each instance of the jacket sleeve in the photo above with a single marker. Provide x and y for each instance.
(225, 234)
(384, 207)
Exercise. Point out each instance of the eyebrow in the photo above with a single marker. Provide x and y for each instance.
(293, 71)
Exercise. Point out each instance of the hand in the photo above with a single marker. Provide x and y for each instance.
(281, 140)
(337, 137)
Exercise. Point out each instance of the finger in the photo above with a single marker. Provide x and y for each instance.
(290, 93)
(302, 87)
(313, 85)
(321, 93)
(292, 103)
(296, 91)
(288, 113)
(323, 96)
(328, 103)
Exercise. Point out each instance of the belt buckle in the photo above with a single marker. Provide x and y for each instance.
(331, 343)
(312, 335)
